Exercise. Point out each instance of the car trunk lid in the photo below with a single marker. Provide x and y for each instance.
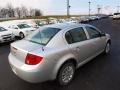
(21, 48)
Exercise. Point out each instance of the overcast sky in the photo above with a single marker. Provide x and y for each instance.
(59, 6)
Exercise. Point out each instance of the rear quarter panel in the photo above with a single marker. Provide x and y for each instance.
(55, 57)
(57, 52)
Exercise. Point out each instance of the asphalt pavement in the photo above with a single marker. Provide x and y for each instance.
(102, 73)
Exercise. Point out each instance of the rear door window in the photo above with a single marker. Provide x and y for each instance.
(75, 35)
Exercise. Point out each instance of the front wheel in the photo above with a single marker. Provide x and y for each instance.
(21, 35)
(107, 48)
(66, 74)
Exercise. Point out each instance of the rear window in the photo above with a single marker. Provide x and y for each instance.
(43, 36)
(22, 26)
(2, 29)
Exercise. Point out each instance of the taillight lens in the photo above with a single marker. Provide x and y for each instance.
(33, 59)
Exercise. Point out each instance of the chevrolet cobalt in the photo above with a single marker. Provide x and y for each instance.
(54, 52)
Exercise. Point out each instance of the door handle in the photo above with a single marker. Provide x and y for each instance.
(94, 43)
(77, 48)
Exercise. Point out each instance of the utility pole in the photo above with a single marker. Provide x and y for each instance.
(98, 8)
(89, 8)
(68, 8)
(118, 8)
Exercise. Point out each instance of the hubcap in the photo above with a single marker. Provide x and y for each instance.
(22, 35)
(67, 74)
(108, 48)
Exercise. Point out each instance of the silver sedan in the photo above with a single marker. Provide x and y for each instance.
(56, 51)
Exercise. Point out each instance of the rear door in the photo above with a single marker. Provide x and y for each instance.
(79, 45)
(96, 38)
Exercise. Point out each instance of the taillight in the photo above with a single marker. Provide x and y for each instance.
(33, 59)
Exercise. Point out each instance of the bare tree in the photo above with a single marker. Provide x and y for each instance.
(18, 11)
(32, 12)
(10, 10)
(24, 11)
(38, 12)
(0, 12)
(4, 12)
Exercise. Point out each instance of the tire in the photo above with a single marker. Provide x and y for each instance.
(66, 74)
(13, 39)
(21, 35)
(107, 48)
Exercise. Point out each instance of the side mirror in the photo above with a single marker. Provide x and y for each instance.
(102, 34)
(15, 28)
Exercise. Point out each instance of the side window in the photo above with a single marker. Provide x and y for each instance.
(76, 35)
(93, 33)
(10, 27)
(15, 27)
(68, 37)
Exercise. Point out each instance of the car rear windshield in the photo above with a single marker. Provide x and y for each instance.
(43, 36)
(2, 29)
(116, 13)
(22, 26)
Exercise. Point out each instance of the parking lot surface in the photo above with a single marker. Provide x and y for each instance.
(102, 73)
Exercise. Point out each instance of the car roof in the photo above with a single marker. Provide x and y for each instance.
(66, 25)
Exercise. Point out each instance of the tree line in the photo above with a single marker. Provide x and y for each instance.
(19, 12)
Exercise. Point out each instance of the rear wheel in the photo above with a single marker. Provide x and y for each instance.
(66, 73)
(21, 35)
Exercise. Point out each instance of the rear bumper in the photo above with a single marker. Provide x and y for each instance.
(32, 74)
